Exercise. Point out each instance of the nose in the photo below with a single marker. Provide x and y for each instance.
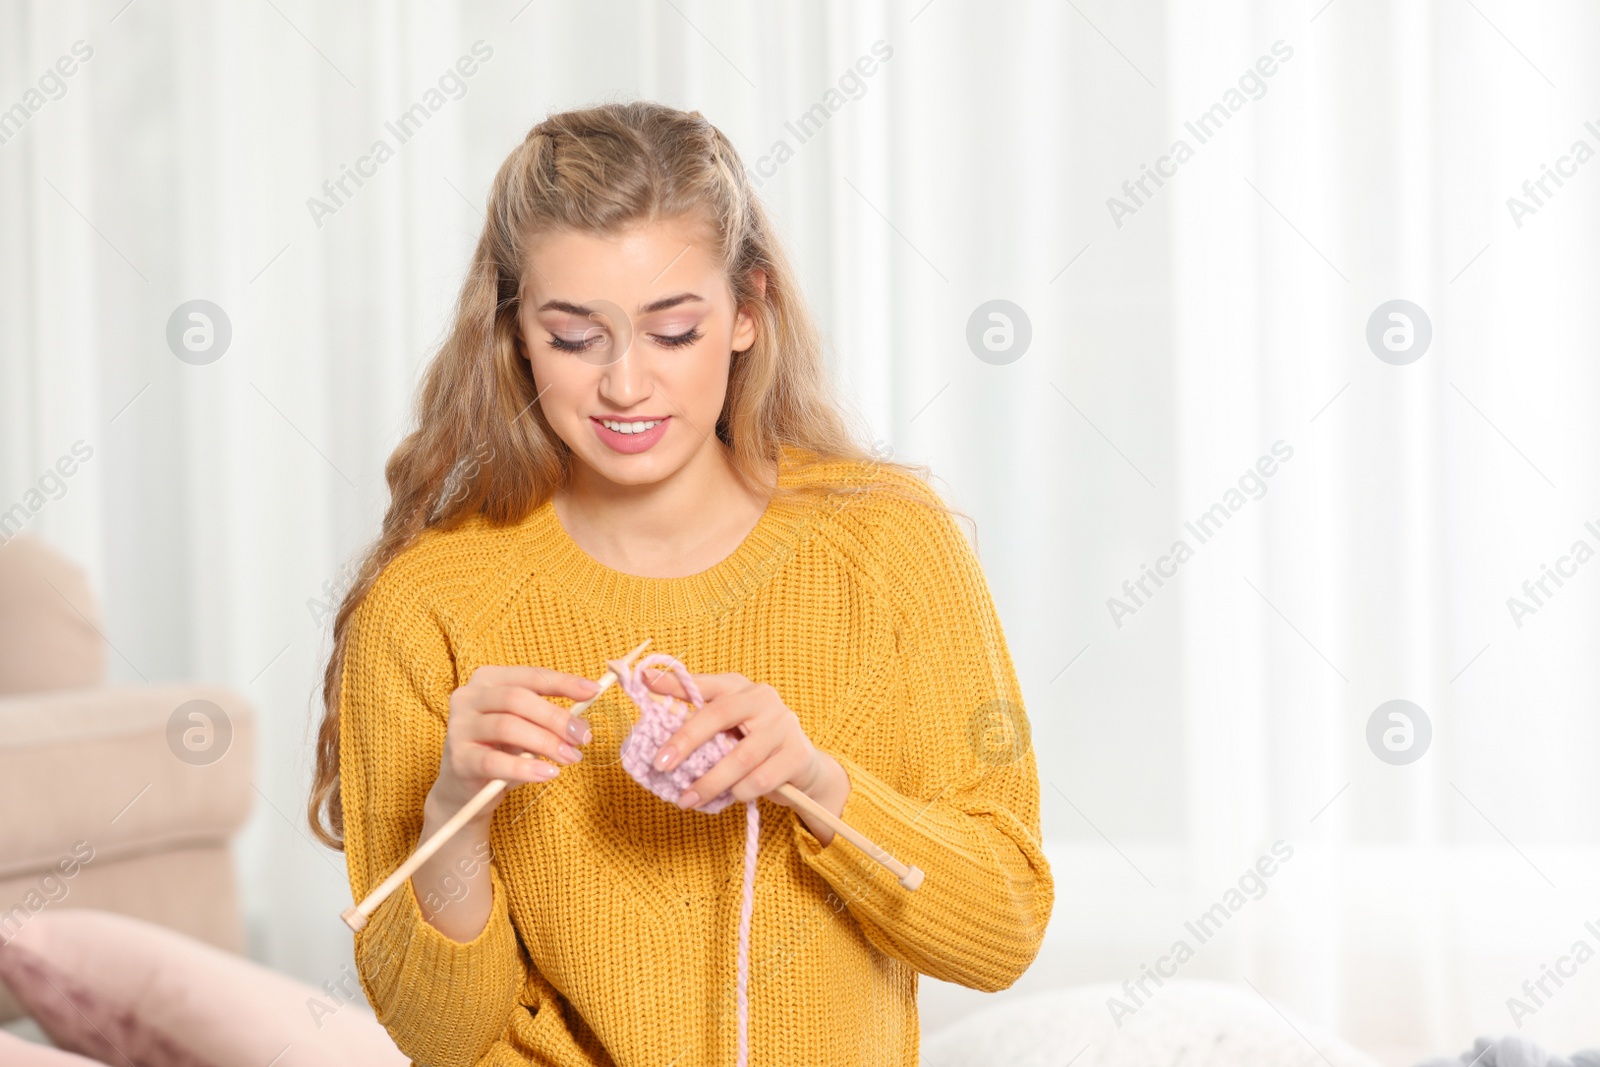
(624, 381)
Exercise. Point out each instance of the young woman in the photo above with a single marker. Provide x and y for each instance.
(629, 434)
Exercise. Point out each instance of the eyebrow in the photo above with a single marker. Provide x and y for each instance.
(656, 305)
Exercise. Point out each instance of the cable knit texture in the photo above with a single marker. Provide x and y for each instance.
(614, 915)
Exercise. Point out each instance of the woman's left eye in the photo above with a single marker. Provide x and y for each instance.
(679, 340)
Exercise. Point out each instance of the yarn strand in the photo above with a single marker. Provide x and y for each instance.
(660, 716)
(751, 837)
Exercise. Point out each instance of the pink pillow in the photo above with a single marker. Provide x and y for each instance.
(128, 992)
(15, 1052)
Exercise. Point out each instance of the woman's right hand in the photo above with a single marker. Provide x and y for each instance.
(499, 714)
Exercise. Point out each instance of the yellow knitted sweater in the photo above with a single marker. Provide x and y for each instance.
(613, 931)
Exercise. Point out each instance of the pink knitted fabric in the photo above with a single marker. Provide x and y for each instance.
(660, 716)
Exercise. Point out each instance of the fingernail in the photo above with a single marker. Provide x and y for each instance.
(546, 771)
(663, 758)
(568, 753)
(575, 729)
(688, 798)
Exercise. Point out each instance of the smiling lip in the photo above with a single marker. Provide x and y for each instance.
(629, 443)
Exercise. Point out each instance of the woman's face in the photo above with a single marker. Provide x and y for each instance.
(629, 336)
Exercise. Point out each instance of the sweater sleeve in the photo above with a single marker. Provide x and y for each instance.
(964, 801)
(443, 1002)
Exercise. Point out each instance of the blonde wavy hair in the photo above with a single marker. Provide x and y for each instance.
(482, 446)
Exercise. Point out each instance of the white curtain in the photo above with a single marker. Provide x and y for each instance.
(1178, 336)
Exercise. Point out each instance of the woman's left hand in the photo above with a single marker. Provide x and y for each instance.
(773, 751)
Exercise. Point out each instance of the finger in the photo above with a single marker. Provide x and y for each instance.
(515, 735)
(540, 680)
(711, 686)
(733, 771)
(492, 763)
(764, 781)
(660, 680)
(514, 700)
(719, 691)
(699, 728)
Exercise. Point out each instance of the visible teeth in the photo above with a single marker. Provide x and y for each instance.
(628, 427)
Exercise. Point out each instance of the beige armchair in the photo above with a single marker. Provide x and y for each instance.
(116, 797)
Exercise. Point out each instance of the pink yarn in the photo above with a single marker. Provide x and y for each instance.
(661, 716)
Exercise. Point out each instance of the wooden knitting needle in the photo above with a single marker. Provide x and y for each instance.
(910, 877)
(357, 915)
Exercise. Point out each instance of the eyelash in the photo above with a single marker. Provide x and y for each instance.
(678, 341)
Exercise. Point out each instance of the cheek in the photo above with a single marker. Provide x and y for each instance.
(706, 377)
(556, 385)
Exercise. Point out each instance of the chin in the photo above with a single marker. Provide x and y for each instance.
(642, 468)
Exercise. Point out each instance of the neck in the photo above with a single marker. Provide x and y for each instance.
(677, 526)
